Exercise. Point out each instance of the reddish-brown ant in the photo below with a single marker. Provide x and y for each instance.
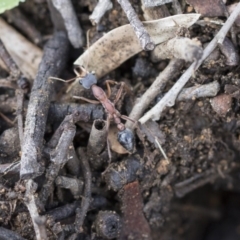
(88, 81)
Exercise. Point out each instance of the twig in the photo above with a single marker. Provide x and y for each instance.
(102, 7)
(55, 51)
(86, 200)
(143, 36)
(20, 97)
(161, 149)
(64, 18)
(73, 163)
(6, 119)
(87, 112)
(206, 90)
(62, 212)
(170, 97)
(58, 160)
(6, 82)
(154, 3)
(6, 234)
(154, 89)
(177, 7)
(73, 184)
(69, 119)
(18, 19)
(39, 222)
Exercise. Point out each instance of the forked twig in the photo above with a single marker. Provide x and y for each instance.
(143, 36)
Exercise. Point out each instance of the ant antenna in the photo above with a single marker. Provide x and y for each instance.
(88, 44)
(62, 80)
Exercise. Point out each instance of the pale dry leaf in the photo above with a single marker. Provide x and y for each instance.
(26, 55)
(120, 44)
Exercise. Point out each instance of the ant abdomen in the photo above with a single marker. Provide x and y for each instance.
(126, 139)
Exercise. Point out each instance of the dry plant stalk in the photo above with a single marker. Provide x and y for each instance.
(71, 24)
(39, 222)
(142, 34)
(102, 7)
(39, 104)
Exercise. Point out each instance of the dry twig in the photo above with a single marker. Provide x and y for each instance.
(55, 51)
(39, 222)
(20, 98)
(102, 7)
(64, 18)
(86, 199)
(143, 36)
(58, 159)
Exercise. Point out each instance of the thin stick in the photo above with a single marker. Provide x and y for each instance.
(143, 36)
(20, 96)
(102, 7)
(86, 200)
(161, 149)
(7, 82)
(39, 222)
(64, 18)
(205, 90)
(58, 160)
(170, 97)
(55, 51)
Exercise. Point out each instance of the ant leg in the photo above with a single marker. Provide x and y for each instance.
(119, 93)
(62, 80)
(127, 118)
(108, 143)
(87, 100)
(108, 82)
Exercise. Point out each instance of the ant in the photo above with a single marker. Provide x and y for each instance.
(88, 81)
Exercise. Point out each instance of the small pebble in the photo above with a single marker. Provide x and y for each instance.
(221, 104)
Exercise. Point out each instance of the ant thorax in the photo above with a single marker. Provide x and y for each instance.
(88, 80)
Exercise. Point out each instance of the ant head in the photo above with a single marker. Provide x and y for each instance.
(86, 79)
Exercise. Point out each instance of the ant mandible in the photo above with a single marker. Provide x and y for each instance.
(88, 81)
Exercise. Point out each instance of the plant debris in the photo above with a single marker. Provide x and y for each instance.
(157, 158)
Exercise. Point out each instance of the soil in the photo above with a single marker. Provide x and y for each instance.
(194, 194)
